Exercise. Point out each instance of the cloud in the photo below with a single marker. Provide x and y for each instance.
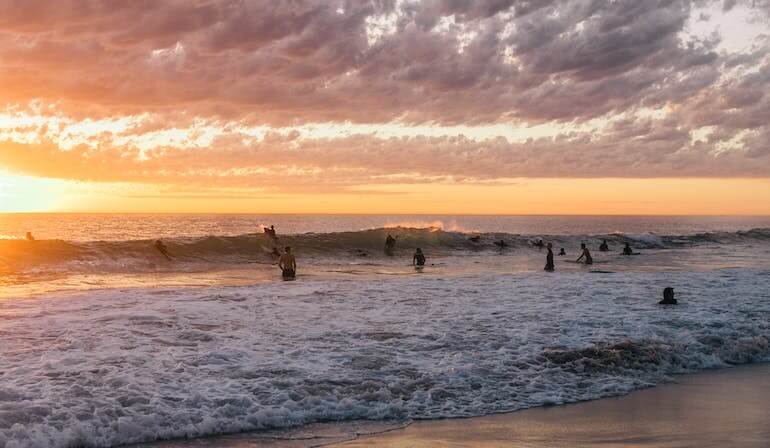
(239, 64)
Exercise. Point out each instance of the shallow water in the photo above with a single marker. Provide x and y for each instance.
(106, 345)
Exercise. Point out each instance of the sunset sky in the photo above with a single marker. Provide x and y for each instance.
(386, 106)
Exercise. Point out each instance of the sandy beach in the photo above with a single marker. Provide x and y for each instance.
(719, 408)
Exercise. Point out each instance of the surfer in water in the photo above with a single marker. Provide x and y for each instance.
(585, 255)
(288, 264)
(627, 250)
(538, 243)
(501, 244)
(270, 232)
(549, 258)
(561, 252)
(604, 247)
(160, 247)
(418, 260)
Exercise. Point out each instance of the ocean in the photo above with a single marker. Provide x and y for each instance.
(104, 342)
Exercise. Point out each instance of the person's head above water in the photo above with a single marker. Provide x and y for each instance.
(668, 297)
(582, 245)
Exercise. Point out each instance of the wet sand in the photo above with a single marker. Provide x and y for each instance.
(720, 408)
(723, 408)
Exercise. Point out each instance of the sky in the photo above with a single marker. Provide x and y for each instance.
(386, 106)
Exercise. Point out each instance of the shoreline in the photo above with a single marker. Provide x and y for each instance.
(722, 407)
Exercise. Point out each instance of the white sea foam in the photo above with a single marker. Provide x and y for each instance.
(118, 366)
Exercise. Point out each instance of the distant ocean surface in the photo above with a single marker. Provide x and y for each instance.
(104, 342)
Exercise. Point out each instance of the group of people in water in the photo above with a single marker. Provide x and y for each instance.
(585, 253)
(288, 263)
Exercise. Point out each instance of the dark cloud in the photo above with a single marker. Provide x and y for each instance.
(449, 62)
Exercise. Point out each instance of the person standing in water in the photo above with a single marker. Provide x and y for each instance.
(160, 247)
(561, 252)
(604, 247)
(418, 260)
(288, 264)
(549, 258)
(627, 250)
(585, 255)
(390, 244)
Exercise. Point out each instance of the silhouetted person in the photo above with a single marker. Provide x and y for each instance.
(561, 252)
(604, 247)
(288, 264)
(501, 244)
(270, 232)
(538, 243)
(419, 258)
(585, 255)
(162, 249)
(390, 244)
(29, 237)
(668, 297)
(474, 239)
(627, 250)
(549, 259)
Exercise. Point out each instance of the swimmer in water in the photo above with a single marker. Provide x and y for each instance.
(418, 260)
(586, 254)
(538, 243)
(561, 252)
(668, 297)
(549, 259)
(162, 249)
(288, 264)
(604, 247)
(627, 250)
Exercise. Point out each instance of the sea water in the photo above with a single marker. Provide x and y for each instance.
(104, 342)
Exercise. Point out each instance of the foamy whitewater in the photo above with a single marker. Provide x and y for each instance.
(104, 343)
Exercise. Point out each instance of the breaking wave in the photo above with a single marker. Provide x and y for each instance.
(23, 256)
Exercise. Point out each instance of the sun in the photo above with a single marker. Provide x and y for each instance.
(28, 194)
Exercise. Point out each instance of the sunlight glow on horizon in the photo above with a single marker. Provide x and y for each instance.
(533, 196)
(387, 107)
